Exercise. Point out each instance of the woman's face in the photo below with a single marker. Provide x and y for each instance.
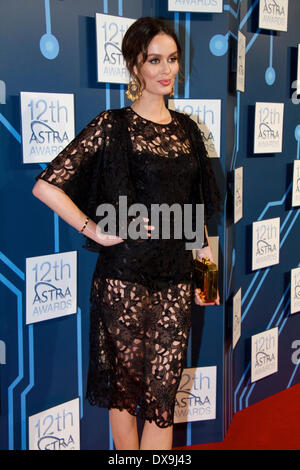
(161, 66)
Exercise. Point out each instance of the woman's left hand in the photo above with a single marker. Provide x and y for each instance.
(198, 300)
(205, 253)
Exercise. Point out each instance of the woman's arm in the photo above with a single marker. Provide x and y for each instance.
(205, 252)
(59, 202)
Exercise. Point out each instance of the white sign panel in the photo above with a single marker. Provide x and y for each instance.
(51, 286)
(47, 125)
(295, 290)
(56, 428)
(264, 354)
(214, 245)
(273, 14)
(110, 31)
(196, 395)
(298, 71)
(268, 127)
(236, 323)
(265, 243)
(241, 62)
(207, 114)
(205, 6)
(296, 184)
(238, 194)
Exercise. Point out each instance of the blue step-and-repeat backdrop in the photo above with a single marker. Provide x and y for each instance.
(61, 65)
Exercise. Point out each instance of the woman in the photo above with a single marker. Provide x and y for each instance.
(141, 294)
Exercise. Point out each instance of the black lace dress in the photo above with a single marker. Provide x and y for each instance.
(141, 294)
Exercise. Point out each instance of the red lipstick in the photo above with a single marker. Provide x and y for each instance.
(165, 82)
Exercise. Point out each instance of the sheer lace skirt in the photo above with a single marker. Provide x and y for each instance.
(138, 345)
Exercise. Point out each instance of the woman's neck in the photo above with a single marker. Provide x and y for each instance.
(153, 109)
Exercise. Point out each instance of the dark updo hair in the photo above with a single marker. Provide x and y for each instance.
(137, 39)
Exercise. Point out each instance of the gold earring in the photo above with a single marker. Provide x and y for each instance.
(172, 91)
(133, 92)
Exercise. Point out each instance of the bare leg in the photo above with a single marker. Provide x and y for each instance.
(122, 307)
(155, 438)
(124, 430)
(165, 343)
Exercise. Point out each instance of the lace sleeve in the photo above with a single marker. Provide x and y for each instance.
(116, 178)
(208, 193)
(73, 169)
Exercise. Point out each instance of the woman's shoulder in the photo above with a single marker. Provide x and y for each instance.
(112, 113)
(106, 120)
(107, 115)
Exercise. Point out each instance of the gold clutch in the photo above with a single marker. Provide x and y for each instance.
(206, 279)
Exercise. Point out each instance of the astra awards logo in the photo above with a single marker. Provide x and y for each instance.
(264, 354)
(110, 32)
(267, 131)
(273, 14)
(56, 428)
(236, 314)
(196, 395)
(273, 7)
(268, 127)
(296, 184)
(238, 194)
(265, 243)
(47, 125)
(241, 62)
(263, 247)
(51, 286)
(295, 290)
(207, 115)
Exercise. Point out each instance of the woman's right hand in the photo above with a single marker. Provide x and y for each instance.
(59, 202)
(110, 240)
